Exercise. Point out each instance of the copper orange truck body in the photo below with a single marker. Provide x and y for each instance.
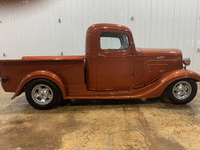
(123, 73)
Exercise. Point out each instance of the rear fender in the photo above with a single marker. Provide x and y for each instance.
(158, 87)
(41, 74)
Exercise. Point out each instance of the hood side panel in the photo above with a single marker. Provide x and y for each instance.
(139, 75)
(160, 61)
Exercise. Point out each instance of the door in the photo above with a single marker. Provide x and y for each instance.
(115, 68)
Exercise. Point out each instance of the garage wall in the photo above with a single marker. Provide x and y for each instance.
(32, 27)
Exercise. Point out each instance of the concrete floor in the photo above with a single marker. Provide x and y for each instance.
(100, 125)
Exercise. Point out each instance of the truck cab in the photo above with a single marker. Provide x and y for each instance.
(113, 62)
(109, 58)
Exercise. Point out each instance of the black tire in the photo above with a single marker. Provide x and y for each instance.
(40, 87)
(184, 95)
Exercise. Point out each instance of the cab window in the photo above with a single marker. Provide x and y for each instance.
(113, 41)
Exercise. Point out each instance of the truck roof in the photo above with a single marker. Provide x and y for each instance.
(96, 27)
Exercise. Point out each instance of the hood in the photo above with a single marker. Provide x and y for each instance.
(155, 52)
(159, 61)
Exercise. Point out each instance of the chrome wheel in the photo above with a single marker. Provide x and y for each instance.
(42, 94)
(182, 90)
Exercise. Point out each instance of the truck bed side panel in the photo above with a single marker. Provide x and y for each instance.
(70, 71)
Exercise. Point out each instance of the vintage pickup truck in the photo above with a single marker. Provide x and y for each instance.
(111, 69)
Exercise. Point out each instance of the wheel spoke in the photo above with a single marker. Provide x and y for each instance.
(175, 89)
(49, 96)
(43, 100)
(36, 95)
(187, 88)
(184, 93)
(40, 89)
(180, 87)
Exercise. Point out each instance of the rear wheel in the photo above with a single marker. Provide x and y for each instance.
(43, 94)
(182, 91)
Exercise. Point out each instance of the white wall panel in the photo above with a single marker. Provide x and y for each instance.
(196, 50)
(182, 25)
(145, 22)
(31, 27)
(190, 30)
(159, 24)
(167, 24)
(136, 22)
(170, 24)
(154, 29)
(176, 22)
(68, 26)
(111, 9)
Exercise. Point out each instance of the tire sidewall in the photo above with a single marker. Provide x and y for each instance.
(184, 101)
(54, 88)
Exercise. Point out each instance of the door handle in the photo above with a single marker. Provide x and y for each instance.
(101, 55)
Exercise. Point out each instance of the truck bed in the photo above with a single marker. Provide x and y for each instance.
(69, 68)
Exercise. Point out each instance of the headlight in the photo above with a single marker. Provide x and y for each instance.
(186, 61)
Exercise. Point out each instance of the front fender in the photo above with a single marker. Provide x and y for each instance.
(157, 88)
(41, 74)
(180, 74)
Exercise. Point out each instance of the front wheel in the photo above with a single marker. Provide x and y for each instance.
(43, 94)
(182, 91)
